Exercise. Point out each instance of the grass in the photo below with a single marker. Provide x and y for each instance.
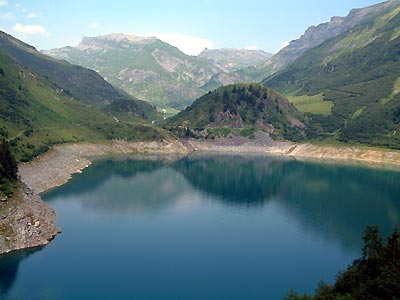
(51, 117)
(396, 91)
(312, 104)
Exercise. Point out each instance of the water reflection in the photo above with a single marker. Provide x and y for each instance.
(9, 264)
(235, 180)
(336, 201)
(128, 186)
(228, 226)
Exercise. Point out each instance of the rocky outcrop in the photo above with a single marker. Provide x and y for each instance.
(25, 221)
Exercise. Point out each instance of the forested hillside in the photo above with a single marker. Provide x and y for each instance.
(350, 85)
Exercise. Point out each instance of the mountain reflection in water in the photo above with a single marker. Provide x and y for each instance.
(336, 200)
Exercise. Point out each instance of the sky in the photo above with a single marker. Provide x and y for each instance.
(191, 26)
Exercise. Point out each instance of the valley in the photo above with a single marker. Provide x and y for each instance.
(223, 135)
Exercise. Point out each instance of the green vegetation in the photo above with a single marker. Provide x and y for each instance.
(37, 112)
(150, 70)
(315, 36)
(157, 72)
(74, 81)
(373, 276)
(8, 169)
(312, 104)
(362, 84)
(241, 109)
(395, 92)
(169, 112)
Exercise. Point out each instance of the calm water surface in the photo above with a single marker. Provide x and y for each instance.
(205, 227)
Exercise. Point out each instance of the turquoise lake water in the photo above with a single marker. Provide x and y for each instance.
(203, 227)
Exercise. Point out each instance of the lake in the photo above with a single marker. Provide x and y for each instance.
(202, 227)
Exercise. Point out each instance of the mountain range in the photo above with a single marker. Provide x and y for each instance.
(343, 75)
(349, 85)
(317, 35)
(45, 101)
(340, 81)
(152, 70)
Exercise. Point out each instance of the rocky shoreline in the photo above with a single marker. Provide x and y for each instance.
(55, 167)
(369, 156)
(26, 221)
(29, 222)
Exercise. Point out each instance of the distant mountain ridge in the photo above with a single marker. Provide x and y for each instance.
(153, 70)
(235, 59)
(316, 35)
(81, 83)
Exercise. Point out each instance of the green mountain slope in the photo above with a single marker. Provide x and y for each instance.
(314, 36)
(80, 83)
(241, 109)
(149, 68)
(349, 85)
(36, 112)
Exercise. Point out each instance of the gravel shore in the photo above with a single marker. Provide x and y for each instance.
(55, 167)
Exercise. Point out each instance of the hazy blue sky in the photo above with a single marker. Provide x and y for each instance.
(189, 25)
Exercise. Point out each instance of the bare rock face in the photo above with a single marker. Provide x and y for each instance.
(25, 221)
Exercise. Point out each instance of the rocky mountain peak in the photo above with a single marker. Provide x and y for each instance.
(103, 41)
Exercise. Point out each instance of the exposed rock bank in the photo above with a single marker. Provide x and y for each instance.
(367, 155)
(346, 153)
(55, 167)
(26, 221)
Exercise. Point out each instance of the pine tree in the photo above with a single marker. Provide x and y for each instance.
(8, 164)
(372, 242)
(393, 246)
